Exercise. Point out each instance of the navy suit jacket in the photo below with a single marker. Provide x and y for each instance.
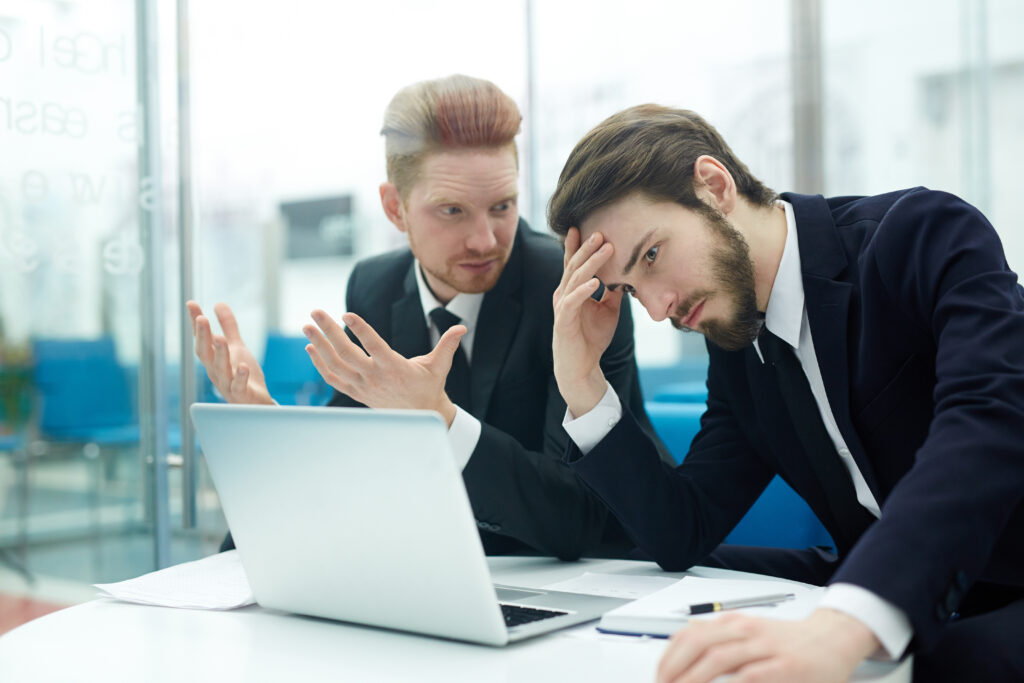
(524, 497)
(918, 326)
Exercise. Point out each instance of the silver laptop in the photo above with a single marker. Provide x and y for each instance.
(361, 515)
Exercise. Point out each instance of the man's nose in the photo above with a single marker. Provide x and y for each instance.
(656, 303)
(481, 238)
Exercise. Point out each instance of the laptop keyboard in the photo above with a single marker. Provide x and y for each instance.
(517, 615)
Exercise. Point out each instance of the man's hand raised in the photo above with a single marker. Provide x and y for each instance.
(229, 363)
(380, 377)
(584, 327)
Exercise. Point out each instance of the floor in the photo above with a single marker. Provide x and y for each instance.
(17, 610)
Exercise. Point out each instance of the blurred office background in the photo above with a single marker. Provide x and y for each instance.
(229, 151)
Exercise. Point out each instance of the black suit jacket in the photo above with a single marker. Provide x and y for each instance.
(918, 326)
(524, 497)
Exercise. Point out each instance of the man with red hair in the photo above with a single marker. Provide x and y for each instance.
(471, 294)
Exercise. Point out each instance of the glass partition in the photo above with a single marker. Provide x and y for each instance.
(936, 102)
(88, 358)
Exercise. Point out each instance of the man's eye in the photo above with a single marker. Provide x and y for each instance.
(651, 254)
(628, 289)
(504, 206)
(451, 211)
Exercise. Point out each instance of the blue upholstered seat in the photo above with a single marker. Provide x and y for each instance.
(779, 518)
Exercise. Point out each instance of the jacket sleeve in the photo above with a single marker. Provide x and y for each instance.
(535, 496)
(677, 515)
(943, 267)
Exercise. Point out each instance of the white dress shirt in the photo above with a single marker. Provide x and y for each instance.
(786, 317)
(465, 430)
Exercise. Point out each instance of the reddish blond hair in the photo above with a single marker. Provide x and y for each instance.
(457, 112)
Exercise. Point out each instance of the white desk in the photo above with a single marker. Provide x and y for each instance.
(109, 641)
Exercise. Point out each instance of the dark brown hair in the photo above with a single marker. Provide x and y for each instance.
(456, 112)
(649, 149)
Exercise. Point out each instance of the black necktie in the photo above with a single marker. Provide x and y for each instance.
(851, 517)
(457, 383)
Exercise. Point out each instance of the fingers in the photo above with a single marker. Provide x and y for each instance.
(442, 355)
(584, 263)
(374, 348)
(228, 324)
(578, 296)
(725, 658)
(221, 374)
(689, 646)
(342, 384)
(194, 311)
(204, 340)
(372, 342)
(572, 243)
(326, 360)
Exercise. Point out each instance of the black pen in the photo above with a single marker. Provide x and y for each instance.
(760, 601)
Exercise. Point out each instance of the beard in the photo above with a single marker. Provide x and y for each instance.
(468, 283)
(733, 273)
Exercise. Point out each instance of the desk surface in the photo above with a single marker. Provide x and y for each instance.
(105, 640)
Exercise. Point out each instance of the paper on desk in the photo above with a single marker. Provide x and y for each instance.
(663, 612)
(216, 582)
(613, 585)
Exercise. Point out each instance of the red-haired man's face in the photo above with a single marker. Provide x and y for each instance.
(460, 217)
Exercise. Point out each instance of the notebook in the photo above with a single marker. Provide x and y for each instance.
(361, 515)
(665, 611)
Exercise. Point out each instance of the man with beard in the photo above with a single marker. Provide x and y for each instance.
(866, 349)
(473, 273)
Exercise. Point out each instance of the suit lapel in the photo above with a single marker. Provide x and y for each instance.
(827, 299)
(495, 328)
(409, 335)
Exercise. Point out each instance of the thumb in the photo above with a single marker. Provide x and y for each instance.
(441, 356)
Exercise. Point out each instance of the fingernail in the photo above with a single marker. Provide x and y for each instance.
(593, 238)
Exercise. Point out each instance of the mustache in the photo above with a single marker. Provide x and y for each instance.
(478, 256)
(683, 310)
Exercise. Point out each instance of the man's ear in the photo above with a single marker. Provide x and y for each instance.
(391, 201)
(714, 183)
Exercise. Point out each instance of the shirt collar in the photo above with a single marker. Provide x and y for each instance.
(466, 306)
(785, 311)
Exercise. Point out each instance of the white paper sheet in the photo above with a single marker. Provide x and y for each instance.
(613, 585)
(217, 582)
(665, 611)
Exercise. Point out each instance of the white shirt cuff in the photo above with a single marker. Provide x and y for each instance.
(588, 429)
(888, 622)
(463, 435)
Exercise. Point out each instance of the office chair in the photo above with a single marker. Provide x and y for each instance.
(291, 377)
(780, 518)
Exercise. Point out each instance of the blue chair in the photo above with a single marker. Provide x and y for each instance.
(84, 395)
(779, 518)
(682, 392)
(656, 378)
(291, 377)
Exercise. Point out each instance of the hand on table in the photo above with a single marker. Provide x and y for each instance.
(229, 363)
(380, 377)
(826, 646)
(583, 327)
